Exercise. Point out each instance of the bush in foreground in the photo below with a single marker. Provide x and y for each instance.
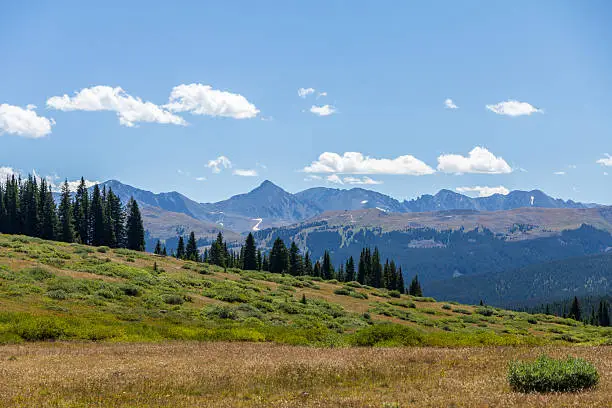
(546, 374)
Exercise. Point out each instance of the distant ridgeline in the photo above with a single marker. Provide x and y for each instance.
(27, 207)
(440, 255)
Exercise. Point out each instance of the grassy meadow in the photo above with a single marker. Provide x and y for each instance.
(83, 326)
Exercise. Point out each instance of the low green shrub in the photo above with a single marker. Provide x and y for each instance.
(446, 307)
(395, 293)
(546, 374)
(386, 335)
(485, 311)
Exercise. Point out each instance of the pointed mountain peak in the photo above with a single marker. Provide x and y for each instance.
(268, 186)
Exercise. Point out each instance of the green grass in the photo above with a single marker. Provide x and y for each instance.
(546, 374)
(57, 291)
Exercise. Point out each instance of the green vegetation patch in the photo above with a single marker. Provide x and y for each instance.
(547, 374)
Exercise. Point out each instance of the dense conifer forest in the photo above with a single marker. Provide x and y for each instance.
(27, 207)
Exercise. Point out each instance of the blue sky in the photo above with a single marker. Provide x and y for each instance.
(381, 72)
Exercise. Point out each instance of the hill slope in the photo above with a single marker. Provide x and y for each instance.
(534, 284)
(52, 290)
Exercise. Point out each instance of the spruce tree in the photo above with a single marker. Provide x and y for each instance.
(376, 270)
(81, 213)
(98, 218)
(327, 269)
(350, 270)
(307, 264)
(393, 283)
(117, 218)
(400, 281)
(2, 209)
(295, 260)
(180, 248)
(250, 254)
(415, 287)
(259, 260)
(12, 207)
(575, 312)
(158, 248)
(29, 207)
(279, 257)
(265, 263)
(135, 233)
(218, 253)
(191, 251)
(49, 222)
(362, 269)
(65, 214)
(163, 251)
(317, 270)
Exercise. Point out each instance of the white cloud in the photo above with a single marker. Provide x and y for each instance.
(245, 173)
(357, 163)
(200, 178)
(480, 160)
(324, 110)
(450, 104)
(321, 95)
(513, 108)
(572, 166)
(484, 191)
(6, 172)
(129, 109)
(221, 162)
(23, 122)
(334, 178)
(361, 180)
(605, 173)
(559, 173)
(606, 161)
(73, 185)
(304, 92)
(201, 99)
(312, 177)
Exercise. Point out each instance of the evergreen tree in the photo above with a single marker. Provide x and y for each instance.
(575, 312)
(400, 281)
(327, 269)
(3, 221)
(362, 268)
(317, 270)
(279, 257)
(158, 248)
(191, 251)
(12, 207)
(135, 234)
(180, 248)
(29, 209)
(81, 213)
(295, 260)
(65, 214)
(48, 213)
(603, 314)
(218, 252)
(250, 254)
(114, 208)
(259, 260)
(393, 283)
(308, 264)
(350, 270)
(265, 263)
(340, 275)
(415, 287)
(163, 251)
(386, 279)
(376, 270)
(98, 218)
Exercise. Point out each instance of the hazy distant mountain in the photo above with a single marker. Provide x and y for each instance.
(268, 205)
(333, 199)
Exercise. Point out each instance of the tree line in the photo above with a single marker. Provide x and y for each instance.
(282, 259)
(594, 311)
(27, 207)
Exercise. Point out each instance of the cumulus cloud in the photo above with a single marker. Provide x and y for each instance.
(221, 162)
(559, 173)
(245, 173)
(200, 178)
(479, 160)
(334, 178)
(23, 122)
(606, 161)
(365, 180)
(357, 163)
(484, 191)
(321, 95)
(324, 110)
(513, 108)
(450, 104)
(201, 99)
(6, 172)
(304, 92)
(129, 109)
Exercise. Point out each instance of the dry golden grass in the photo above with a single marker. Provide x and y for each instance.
(179, 374)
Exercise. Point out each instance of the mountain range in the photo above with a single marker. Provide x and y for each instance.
(269, 205)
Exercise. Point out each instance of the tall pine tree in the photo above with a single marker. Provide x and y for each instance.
(250, 254)
(65, 215)
(134, 229)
